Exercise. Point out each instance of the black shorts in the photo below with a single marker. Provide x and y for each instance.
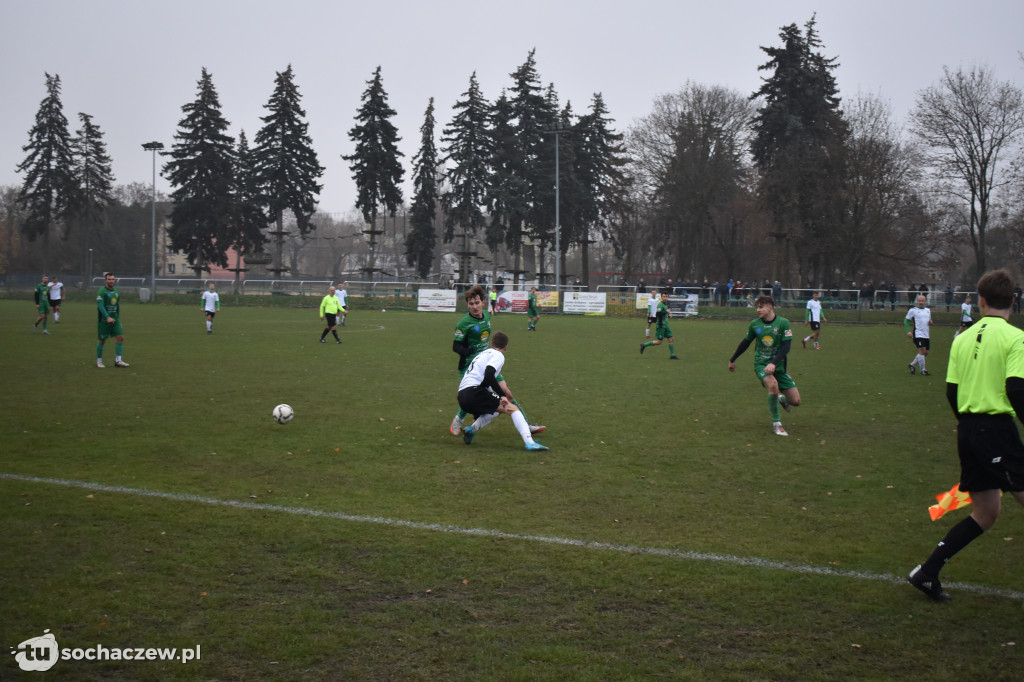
(332, 319)
(478, 400)
(815, 326)
(209, 313)
(55, 302)
(922, 343)
(651, 319)
(991, 453)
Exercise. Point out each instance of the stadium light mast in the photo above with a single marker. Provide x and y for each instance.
(556, 129)
(153, 147)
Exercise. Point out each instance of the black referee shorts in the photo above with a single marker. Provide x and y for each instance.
(991, 453)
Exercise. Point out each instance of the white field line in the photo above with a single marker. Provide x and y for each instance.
(485, 532)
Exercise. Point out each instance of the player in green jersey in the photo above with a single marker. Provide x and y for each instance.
(773, 337)
(108, 308)
(662, 331)
(42, 299)
(472, 336)
(532, 312)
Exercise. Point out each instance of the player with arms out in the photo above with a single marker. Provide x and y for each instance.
(481, 394)
(814, 318)
(532, 312)
(985, 388)
(772, 337)
(42, 302)
(108, 324)
(917, 322)
(472, 336)
(211, 306)
(662, 330)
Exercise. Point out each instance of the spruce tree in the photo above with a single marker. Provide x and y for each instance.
(49, 188)
(419, 245)
(506, 196)
(375, 163)
(93, 176)
(202, 173)
(467, 156)
(798, 146)
(599, 159)
(286, 166)
(246, 230)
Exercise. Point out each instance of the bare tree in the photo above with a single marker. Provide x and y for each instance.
(967, 123)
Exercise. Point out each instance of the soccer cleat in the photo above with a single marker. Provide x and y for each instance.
(913, 369)
(537, 428)
(121, 363)
(784, 404)
(804, 342)
(924, 372)
(99, 363)
(34, 329)
(779, 431)
(643, 346)
(456, 427)
(930, 586)
(322, 340)
(46, 332)
(467, 435)
(337, 340)
(673, 357)
(533, 445)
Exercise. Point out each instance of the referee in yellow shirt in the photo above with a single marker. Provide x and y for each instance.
(985, 388)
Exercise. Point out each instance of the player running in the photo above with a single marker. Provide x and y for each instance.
(472, 336)
(773, 337)
(662, 330)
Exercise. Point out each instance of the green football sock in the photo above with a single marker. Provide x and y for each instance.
(520, 409)
(462, 413)
(118, 347)
(671, 349)
(99, 351)
(773, 407)
(648, 344)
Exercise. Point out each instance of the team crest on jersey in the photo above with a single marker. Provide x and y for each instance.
(768, 341)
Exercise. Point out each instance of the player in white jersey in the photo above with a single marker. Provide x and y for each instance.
(479, 393)
(342, 295)
(211, 306)
(814, 318)
(917, 322)
(965, 316)
(652, 312)
(56, 296)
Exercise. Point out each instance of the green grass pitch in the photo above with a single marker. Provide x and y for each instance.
(667, 534)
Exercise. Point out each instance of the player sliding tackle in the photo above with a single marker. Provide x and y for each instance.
(481, 395)
(472, 335)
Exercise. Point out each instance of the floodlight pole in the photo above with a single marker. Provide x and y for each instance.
(153, 147)
(556, 130)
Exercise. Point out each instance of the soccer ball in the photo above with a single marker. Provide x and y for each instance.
(283, 413)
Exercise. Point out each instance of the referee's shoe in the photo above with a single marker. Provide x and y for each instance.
(930, 586)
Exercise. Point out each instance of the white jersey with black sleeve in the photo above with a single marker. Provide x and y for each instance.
(477, 369)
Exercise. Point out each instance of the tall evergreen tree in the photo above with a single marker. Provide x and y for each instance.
(798, 146)
(467, 156)
(246, 229)
(49, 187)
(419, 245)
(286, 166)
(202, 173)
(599, 160)
(94, 179)
(507, 193)
(375, 163)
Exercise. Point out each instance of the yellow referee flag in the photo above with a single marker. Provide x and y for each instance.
(949, 501)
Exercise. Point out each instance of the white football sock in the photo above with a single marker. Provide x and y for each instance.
(483, 420)
(521, 426)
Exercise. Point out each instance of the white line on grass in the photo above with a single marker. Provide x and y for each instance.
(485, 532)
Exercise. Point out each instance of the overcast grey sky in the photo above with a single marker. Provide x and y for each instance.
(132, 64)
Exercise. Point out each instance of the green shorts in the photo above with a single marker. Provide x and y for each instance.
(532, 312)
(784, 380)
(663, 332)
(44, 308)
(105, 331)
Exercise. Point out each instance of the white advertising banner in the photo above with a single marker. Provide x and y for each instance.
(436, 300)
(585, 302)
